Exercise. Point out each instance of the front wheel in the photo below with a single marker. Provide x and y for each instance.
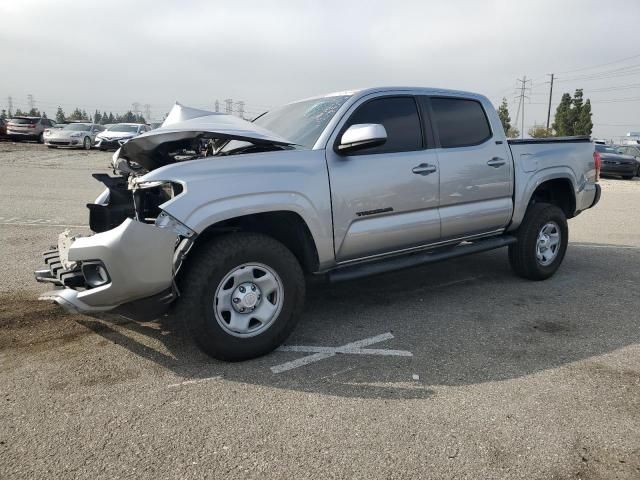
(241, 296)
(87, 143)
(542, 242)
(627, 177)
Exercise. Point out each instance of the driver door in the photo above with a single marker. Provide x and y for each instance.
(385, 198)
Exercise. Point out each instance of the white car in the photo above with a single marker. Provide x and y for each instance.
(114, 136)
(73, 135)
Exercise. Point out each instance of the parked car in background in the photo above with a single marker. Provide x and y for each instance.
(614, 163)
(73, 135)
(114, 136)
(47, 131)
(3, 128)
(633, 151)
(28, 128)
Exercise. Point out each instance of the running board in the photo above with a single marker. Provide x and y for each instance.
(375, 267)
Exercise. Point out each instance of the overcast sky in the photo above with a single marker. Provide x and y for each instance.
(109, 54)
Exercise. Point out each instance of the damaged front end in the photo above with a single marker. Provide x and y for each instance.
(128, 265)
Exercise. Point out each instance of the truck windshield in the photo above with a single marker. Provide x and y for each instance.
(302, 122)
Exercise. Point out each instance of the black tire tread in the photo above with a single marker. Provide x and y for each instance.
(209, 258)
(521, 254)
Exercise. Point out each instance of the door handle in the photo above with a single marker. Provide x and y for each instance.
(424, 169)
(496, 162)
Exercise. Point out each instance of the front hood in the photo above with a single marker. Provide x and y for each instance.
(65, 134)
(107, 135)
(183, 127)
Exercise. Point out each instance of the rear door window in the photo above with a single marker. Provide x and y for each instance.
(459, 122)
(399, 116)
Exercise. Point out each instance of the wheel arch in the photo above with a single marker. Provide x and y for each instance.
(286, 226)
(556, 186)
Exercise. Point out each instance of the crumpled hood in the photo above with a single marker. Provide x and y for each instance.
(184, 124)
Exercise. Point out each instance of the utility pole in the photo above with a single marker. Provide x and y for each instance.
(10, 105)
(147, 112)
(241, 109)
(523, 89)
(31, 102)
(217, 106)
(550, 94)
(136, 107)
(228, 108)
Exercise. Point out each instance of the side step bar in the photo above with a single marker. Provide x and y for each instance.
(351, 272)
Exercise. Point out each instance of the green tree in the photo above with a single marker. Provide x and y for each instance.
(584, 125)
(573, 115)
(76, 115)
(97, 117)
(18, 113)
(112, 119)
(503, 113)
(3, 114)
(60, 116)
(44, 115)
(513, 132)
(34, 112)
(562, 123)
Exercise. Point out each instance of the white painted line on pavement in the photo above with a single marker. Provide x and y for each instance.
(192, 382)
(320, 352)
(43, 225)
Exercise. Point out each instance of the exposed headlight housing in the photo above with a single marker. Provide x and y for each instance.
(172, 189)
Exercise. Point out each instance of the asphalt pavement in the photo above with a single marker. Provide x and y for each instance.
(454, 370)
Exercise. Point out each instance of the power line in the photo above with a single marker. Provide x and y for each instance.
(601, 65)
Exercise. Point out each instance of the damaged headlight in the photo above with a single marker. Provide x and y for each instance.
(164, 220)
(171, 189)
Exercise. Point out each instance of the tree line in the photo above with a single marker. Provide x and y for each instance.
(572, 117)
(77, 114)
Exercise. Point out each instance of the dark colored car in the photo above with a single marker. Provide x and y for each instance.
(3, 129)
(614, 163)
(632, 150)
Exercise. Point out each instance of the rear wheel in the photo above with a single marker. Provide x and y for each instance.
(241, 296)
(542, 242)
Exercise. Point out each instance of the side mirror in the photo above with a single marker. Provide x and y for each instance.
(361, 136)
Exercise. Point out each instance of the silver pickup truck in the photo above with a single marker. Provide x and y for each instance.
(220, 219)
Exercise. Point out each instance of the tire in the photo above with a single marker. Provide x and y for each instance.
(86, 143)
(206, 282)
(627, 177)
(523, 255)
(41, 138)
(51, 146)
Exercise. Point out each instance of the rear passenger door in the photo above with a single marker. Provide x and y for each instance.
(476, 172)
(384, 198)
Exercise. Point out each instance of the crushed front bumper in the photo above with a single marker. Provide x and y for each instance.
(108, 271)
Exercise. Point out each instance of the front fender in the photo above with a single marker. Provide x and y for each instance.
(218, 210)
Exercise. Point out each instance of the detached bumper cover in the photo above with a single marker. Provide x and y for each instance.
(138, 258)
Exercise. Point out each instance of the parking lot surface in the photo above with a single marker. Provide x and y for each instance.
(475, 373)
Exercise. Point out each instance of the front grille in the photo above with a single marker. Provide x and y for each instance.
(59, 142)
(55, 273)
